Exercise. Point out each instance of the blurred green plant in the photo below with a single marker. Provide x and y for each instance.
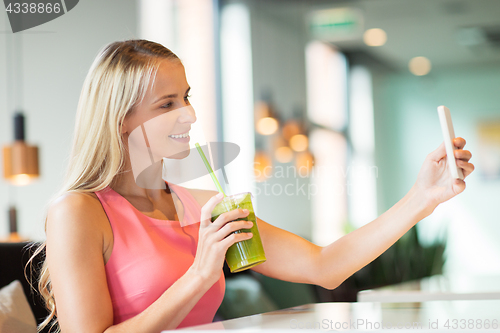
(408, 259)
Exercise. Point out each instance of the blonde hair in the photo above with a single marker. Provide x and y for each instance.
(116, 82)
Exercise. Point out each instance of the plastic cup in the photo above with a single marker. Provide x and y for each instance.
(248, 253)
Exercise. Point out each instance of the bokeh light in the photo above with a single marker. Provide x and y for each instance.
(283, 154)
(267, 126)
(299, 142)
(375, 37)
(420, 66)
(21, 179)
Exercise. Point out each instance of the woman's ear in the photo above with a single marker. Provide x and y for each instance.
(123, 128)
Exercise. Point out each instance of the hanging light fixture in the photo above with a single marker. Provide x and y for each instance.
(20, 160)
(20, 167)
(266, 121)
(295, 134)
(291, 128)
(282, 152)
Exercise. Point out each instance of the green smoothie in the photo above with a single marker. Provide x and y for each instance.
(247, 253)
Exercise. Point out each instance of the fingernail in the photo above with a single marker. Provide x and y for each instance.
(219, 195)
(245, 211)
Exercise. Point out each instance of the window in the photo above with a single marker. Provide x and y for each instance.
(327, 110)
(342, 141)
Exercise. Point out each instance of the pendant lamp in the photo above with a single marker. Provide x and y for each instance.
(20, 167)
(20, 160)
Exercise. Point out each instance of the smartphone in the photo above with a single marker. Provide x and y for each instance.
(449, 135)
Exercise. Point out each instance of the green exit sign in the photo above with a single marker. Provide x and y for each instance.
(336, 24)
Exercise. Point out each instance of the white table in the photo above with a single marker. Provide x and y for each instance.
(435, 288)
(430, 316)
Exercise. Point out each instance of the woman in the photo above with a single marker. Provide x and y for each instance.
(117, 257)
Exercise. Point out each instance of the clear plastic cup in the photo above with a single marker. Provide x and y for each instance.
(248, 253)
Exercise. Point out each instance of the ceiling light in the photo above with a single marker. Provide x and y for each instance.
(375, 37)
(420, 66)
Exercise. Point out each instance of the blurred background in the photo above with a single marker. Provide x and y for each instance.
(333, 104)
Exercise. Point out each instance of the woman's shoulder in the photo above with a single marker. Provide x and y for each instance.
(76, 210)
(75, 200)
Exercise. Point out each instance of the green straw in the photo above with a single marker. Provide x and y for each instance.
(209, 168)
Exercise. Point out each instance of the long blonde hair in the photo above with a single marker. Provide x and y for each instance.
(116, 82)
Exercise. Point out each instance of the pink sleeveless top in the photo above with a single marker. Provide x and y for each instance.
(149, 255)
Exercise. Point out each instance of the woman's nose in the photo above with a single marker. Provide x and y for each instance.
(187, 115)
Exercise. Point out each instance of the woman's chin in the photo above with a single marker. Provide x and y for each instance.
(179, 155)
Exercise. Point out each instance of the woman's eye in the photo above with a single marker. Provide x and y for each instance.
(170, 104)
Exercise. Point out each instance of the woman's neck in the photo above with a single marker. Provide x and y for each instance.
(148, 183)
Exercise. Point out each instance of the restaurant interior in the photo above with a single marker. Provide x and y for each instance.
(333, 105)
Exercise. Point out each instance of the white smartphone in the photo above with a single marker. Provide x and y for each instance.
(449, 135)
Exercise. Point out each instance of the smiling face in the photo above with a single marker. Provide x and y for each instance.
(165, 112)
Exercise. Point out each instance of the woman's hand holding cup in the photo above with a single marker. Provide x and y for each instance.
(215, 238)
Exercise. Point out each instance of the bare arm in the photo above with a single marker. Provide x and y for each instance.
(76, 264)
(294, 259)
